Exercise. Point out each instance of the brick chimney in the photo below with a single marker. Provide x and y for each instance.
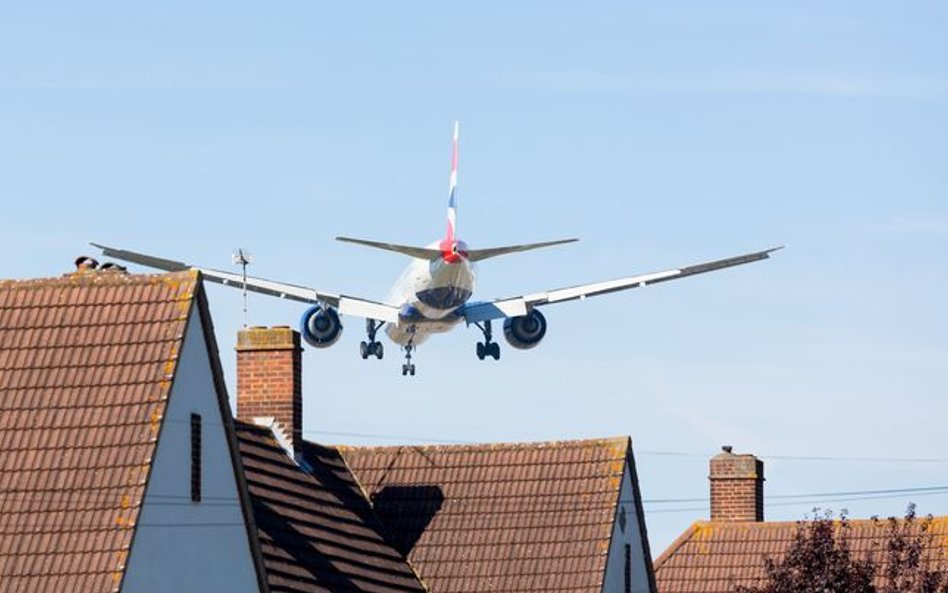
(737, 487)
(269, 379)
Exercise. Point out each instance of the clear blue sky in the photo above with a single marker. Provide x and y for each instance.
(660, 133)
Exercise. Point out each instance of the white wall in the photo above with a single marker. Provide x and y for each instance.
(614, 581)
(182, 546)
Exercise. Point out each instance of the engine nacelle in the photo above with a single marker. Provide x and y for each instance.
(320, 326)
(526, 331)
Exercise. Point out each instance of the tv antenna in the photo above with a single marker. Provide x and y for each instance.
(241, 257)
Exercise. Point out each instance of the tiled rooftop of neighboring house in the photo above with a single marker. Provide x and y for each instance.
(316, 530)
(732, 548)
(714, 556)
(498, 517)
(86, 362)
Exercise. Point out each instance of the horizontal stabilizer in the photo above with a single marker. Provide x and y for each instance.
(481, 254)
(425, 253)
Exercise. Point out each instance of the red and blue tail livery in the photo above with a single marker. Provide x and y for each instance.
(453, 188)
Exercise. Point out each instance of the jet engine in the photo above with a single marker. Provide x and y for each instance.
(526, 331)
(320, 326)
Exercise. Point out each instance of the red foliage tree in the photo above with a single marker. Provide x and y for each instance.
(820, 560)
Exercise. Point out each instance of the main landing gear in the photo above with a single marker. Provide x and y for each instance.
(487, 347)
(409, 367)
(372, 347)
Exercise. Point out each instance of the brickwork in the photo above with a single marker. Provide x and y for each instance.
(737, 487)
(269, 377)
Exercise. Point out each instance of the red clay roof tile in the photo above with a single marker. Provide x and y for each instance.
(714, 556)
(498, 517)
(83, 360)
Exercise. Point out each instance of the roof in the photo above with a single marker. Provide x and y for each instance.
(86, 363)
(498, 517)
(316, 530)
(713, 556)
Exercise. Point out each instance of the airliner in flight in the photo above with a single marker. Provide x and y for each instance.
(434, 293)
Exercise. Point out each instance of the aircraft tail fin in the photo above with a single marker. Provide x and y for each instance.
(450, 239)
(451, 231)
(482, 254)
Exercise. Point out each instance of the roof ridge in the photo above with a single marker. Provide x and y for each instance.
(616, 441)
(792, 523)
(86, 278)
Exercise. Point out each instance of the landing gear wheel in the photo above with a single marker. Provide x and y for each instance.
(488, 347)
(411, 370)
(404, 370)
(372, 347)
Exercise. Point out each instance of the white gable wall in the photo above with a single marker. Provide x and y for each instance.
(614, 581)
(180, 545)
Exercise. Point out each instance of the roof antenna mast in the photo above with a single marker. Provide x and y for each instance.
(241, 257)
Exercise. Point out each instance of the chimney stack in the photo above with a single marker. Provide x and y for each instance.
(737, 487)
(269, 379)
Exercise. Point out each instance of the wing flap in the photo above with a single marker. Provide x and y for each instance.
(357, 307)
(477, 312)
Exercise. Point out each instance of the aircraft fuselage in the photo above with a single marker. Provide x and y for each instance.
(429, 294)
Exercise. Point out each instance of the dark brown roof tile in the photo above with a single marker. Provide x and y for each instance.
(317, 532)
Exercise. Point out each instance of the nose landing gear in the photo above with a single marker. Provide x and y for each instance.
(487, 347)
(409, 367)
(372, 347)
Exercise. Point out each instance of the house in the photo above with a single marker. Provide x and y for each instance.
(123, 469)
(560, 516)
(714, 556)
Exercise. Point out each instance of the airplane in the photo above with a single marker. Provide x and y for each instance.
(433, 294)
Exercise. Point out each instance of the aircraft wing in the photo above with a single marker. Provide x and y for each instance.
(521, 305)
(346, 305)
